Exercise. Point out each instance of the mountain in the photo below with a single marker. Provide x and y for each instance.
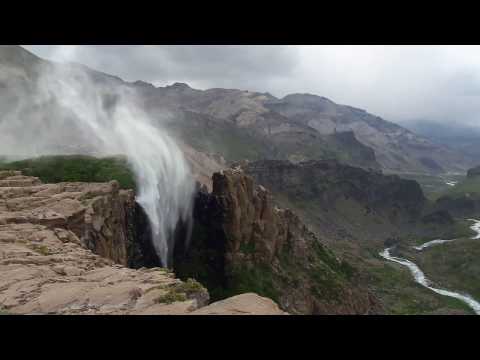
(357, 213)
(454, 134)
(314, 245)
(397, 149)
(303, 127)
(249, 125)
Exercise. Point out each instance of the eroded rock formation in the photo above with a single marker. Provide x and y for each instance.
(243, 242)
(64, 250)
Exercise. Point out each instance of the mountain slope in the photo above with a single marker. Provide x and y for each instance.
(463, 138)
(250, 125)
(312, 120)
(232, 123)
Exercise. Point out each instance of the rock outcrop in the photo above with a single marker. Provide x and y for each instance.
(343, 201)
(473, 172)
(243, 242)
(244, 304)
(64, 247)
(97, 213)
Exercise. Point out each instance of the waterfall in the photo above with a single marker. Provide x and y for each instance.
(70, 111)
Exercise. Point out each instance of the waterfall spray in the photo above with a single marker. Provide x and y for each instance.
(105, 118)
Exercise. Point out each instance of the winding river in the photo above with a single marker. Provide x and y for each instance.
(420, 277)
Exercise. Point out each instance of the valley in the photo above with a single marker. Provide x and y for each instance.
(223, 201)
(440, 261)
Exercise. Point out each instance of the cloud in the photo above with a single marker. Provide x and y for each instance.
(399, 83)
(201, 66)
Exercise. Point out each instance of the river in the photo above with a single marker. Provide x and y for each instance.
(420, 277)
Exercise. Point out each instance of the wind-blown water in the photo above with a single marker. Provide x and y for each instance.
(106, 119)
(420, 277)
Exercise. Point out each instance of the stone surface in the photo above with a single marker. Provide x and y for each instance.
(244, 304)
(46, 265)
(95, 212)
(63, 248)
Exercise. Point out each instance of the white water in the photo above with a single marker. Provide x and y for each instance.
(431, 243)
(451, 183)
(420, 277)
(109, 121)
(475, 227)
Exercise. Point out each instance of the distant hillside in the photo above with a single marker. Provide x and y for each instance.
(454, 134)
(241, 124)
(211, 122)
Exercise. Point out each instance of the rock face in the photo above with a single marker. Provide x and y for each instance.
(96, 213)
(64, 247)
(473, 172)
(341, 197)
(243, 242)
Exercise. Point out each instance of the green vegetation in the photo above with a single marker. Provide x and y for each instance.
(42, 249)
(434, 186)
(401, 295)
(3, 312)
(170, 298)
(181, 292)
(75, 168)
(247, 247)
(453, 265)
(469, 186)
(459, 229)
(259, 279)
(203, 262)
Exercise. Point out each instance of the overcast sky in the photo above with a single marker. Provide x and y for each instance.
(399, 83)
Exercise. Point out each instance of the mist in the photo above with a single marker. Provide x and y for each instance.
(70, 112)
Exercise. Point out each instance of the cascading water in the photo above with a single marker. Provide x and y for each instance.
(107, 120)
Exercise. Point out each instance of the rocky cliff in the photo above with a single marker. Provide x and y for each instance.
(64, 250)
(473, 172)
(243, 242)
(342, 201)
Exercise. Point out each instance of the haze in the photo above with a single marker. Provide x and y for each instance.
(399, 83)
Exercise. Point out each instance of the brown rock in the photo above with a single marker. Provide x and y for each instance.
(244, 304)
(47, 235)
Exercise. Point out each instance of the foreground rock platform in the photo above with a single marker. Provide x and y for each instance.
(63, 251)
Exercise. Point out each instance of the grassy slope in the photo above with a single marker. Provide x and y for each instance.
(392, 283)
(467, 186)
(54, 169)
(452, 265)
(433, 186)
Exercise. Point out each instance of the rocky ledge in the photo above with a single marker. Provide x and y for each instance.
(64, 250)
(243, 242)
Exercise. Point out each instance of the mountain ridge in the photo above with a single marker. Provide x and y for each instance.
(278, 124)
